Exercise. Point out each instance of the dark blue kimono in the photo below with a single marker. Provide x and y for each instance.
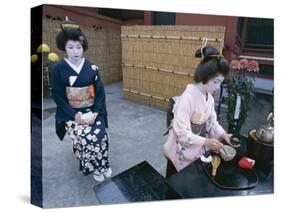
(87, 76)
(90, 142)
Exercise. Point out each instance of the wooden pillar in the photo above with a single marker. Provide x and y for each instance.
(148, 18)
(230, 48)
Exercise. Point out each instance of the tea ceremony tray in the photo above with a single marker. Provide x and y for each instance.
(230, 176)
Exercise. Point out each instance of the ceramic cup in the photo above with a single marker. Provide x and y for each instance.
(246, 163)
(227, 153)
(235, 140)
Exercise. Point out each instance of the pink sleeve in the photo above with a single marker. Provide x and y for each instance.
(182, 126)
(214, 128)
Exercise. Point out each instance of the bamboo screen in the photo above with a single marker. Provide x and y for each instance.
(104, 48)
(158, 61)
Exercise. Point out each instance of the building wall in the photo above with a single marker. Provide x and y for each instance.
(229, 22)
(85, 16)
(104, 43)
(88, 17)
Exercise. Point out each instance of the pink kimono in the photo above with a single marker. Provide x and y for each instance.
(194, 119)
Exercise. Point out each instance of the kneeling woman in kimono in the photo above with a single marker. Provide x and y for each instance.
(81, 110)
(194, 129)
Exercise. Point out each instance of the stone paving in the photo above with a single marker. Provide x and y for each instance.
(135, 134)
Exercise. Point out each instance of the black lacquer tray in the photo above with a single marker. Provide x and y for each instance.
(230, 176)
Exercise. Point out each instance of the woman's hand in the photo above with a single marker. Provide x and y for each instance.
(213, 144)
(227, 138)
(78, 118)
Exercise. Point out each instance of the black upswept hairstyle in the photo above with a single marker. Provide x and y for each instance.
(212, 64)
(70, 31)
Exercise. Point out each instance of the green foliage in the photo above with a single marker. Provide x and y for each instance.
(239, 85)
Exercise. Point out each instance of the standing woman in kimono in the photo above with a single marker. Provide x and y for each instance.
(81, 110)
(194, 129)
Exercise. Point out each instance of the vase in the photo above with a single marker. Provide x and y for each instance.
(234, 128)
(235, 122)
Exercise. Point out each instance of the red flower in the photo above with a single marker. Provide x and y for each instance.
(235, 64)
(253, 66)
(243, 64)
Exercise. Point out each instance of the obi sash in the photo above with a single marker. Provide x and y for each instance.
(79, 97)
(198, 129)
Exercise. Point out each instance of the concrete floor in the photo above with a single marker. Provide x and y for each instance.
(135, 134)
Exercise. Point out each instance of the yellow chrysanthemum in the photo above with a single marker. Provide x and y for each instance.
(34, 58)
(43, 48)
(53, 57)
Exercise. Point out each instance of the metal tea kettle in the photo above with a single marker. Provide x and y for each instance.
(265, 133)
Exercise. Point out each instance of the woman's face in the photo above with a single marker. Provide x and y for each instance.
(213, 84)
(74, 50)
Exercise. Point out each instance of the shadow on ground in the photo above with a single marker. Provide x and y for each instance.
(135, 134)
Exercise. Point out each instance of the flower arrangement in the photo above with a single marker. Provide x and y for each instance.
(240, 92)
(46, 58)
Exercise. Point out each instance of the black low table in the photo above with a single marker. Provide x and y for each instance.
(230, 176)
(139, 183)
(193, 182)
